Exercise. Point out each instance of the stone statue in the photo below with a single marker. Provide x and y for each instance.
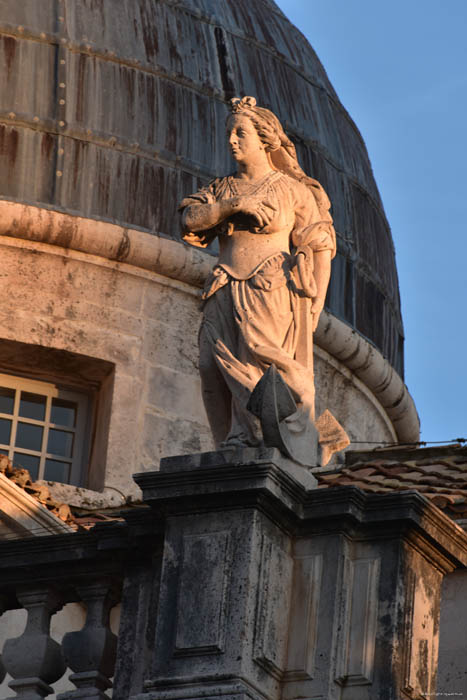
(264, 297)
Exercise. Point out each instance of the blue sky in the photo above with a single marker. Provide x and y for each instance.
(400, 70)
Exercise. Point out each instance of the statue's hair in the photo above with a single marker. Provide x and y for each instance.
(265, 122)
(280, 149)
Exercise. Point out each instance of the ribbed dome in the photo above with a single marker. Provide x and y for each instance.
(116, 110)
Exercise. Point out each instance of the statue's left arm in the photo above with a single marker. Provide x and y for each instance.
(322, 275)
(314, 240)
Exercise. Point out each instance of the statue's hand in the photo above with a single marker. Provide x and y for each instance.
(316, 308)
(199, 240)
(304, 262)
(256, 207)
(191, 238)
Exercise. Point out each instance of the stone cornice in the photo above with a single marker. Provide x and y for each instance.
(213, 481)
(175, 260)
(24, 515)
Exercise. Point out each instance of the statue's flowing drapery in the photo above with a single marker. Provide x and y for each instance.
(252, 321)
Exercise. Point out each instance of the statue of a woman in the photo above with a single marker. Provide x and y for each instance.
(264, 296)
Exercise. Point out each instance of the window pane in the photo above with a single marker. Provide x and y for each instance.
(57, 471)
(63, 412)
(60, 443)
(5, 431)
(28, 462)
(7, 400)
(29, 436)
(32, 406)
(4, 452)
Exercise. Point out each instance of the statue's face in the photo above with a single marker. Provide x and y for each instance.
(245, 143)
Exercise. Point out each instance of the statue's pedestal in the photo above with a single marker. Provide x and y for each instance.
(271, 588)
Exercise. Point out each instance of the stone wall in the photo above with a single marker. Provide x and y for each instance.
(452, 669)
(130, 336)
(143, 324)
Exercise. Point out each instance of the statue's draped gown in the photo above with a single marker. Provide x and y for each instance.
(252, 298)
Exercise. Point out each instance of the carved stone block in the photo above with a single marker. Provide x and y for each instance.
(308, 572)
(358, 622)
(272, 611)
(202, 592)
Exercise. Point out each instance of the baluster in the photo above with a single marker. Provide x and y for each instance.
(2, 670)
(91, 651)
(2, 667)
(34, 659)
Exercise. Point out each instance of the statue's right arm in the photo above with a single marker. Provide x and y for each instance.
(202, 217)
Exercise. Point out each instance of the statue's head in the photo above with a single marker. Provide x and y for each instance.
(278, 146)
(265, 122)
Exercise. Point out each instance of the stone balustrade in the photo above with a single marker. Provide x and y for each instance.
(41, 575)
(240, 580)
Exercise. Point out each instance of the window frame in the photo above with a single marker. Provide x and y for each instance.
(49, 390)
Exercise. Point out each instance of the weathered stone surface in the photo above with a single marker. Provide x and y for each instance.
(91, 651)
(161, 432)
(34, 659)
(294, 592)
(242, 580)
(63, 565)
(174, 392)
(238, 457)
(105, 317)
(352, 404)
(452, 666)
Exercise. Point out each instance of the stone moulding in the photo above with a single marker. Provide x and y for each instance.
(172, 259)
(25, 515)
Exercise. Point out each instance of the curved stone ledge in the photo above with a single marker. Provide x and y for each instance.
(368, 364)
(150, 252)
(174, 260)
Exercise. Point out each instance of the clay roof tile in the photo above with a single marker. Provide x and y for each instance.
(440, 476)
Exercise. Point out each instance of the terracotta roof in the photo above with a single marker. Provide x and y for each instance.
(438, 473)
(22, 478)
(88, 521)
